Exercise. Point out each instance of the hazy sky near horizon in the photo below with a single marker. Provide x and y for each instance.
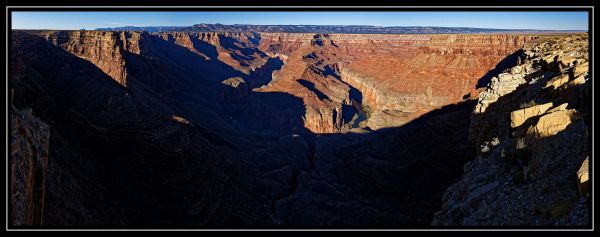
(499, 20)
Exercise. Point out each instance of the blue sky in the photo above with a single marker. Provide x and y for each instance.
(498, 20)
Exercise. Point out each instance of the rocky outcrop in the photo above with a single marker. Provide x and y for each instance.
(583, 178)
(235, 88)
(532, 134)
(518, 117)
(28, 167)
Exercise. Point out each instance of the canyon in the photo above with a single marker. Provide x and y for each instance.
(262, 129)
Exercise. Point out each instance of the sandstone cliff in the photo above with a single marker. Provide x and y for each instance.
(103, 49)
(532, 128)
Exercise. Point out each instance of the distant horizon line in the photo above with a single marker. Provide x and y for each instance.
(237, 24)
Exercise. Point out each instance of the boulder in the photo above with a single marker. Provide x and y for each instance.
(518, 117)
(577, 81)
(581, 69)
(583, 178)
(557, 81)
(180, 119)
(552, 123)
(563, 106)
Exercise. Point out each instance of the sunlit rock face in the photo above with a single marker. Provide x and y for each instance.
(261, 129)
(103, 49)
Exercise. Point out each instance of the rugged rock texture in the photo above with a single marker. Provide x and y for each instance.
(29, 167)
(518, 117)
(532, 128)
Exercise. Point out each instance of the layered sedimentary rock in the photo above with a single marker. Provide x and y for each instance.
(420, 72)
(103, 49)
(531, 127)
(236, 49)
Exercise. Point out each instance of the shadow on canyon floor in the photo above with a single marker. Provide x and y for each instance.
(263, 75)
(385, 178)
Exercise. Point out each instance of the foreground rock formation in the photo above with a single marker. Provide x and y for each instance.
(264, 129)
(532, 128)
(29, 167)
